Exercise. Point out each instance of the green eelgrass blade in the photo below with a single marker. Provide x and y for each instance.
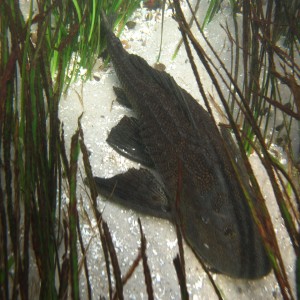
(213, 8)
(93, 20)
(298, 276)
(78, 10)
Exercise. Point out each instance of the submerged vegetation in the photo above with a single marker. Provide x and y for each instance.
(36, 66)
(42, 54)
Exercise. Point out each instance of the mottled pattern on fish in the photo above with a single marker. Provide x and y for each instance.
(172, 129)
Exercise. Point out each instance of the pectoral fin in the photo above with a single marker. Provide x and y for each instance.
(138, 190)
(125, 139)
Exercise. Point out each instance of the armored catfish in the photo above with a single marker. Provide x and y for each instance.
(176, 139)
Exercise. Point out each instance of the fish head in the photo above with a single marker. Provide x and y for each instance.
(218, 225)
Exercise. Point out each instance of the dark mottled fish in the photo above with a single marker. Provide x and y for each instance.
(173, 133)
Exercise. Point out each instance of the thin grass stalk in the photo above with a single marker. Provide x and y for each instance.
(4, 258)
(147, 273)
(7, 66)
(190, 25)
(84, 259)
(65, 268)
(247, 38)
(181, 277)
(178, 261)
(73, 216)
(114, 261)
(132, 268)
(234, 6)
(97, 214)
(235, 55)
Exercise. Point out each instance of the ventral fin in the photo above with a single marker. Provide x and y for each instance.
(138, 190)
(121, 97)
(126, 140)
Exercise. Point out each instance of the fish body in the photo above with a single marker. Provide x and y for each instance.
(174, 136)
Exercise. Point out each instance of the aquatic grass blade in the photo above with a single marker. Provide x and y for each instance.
(31, 145)
(73, 215)
(147, 273)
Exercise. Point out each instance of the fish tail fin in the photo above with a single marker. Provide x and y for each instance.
(107, 21)
(114, 45)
